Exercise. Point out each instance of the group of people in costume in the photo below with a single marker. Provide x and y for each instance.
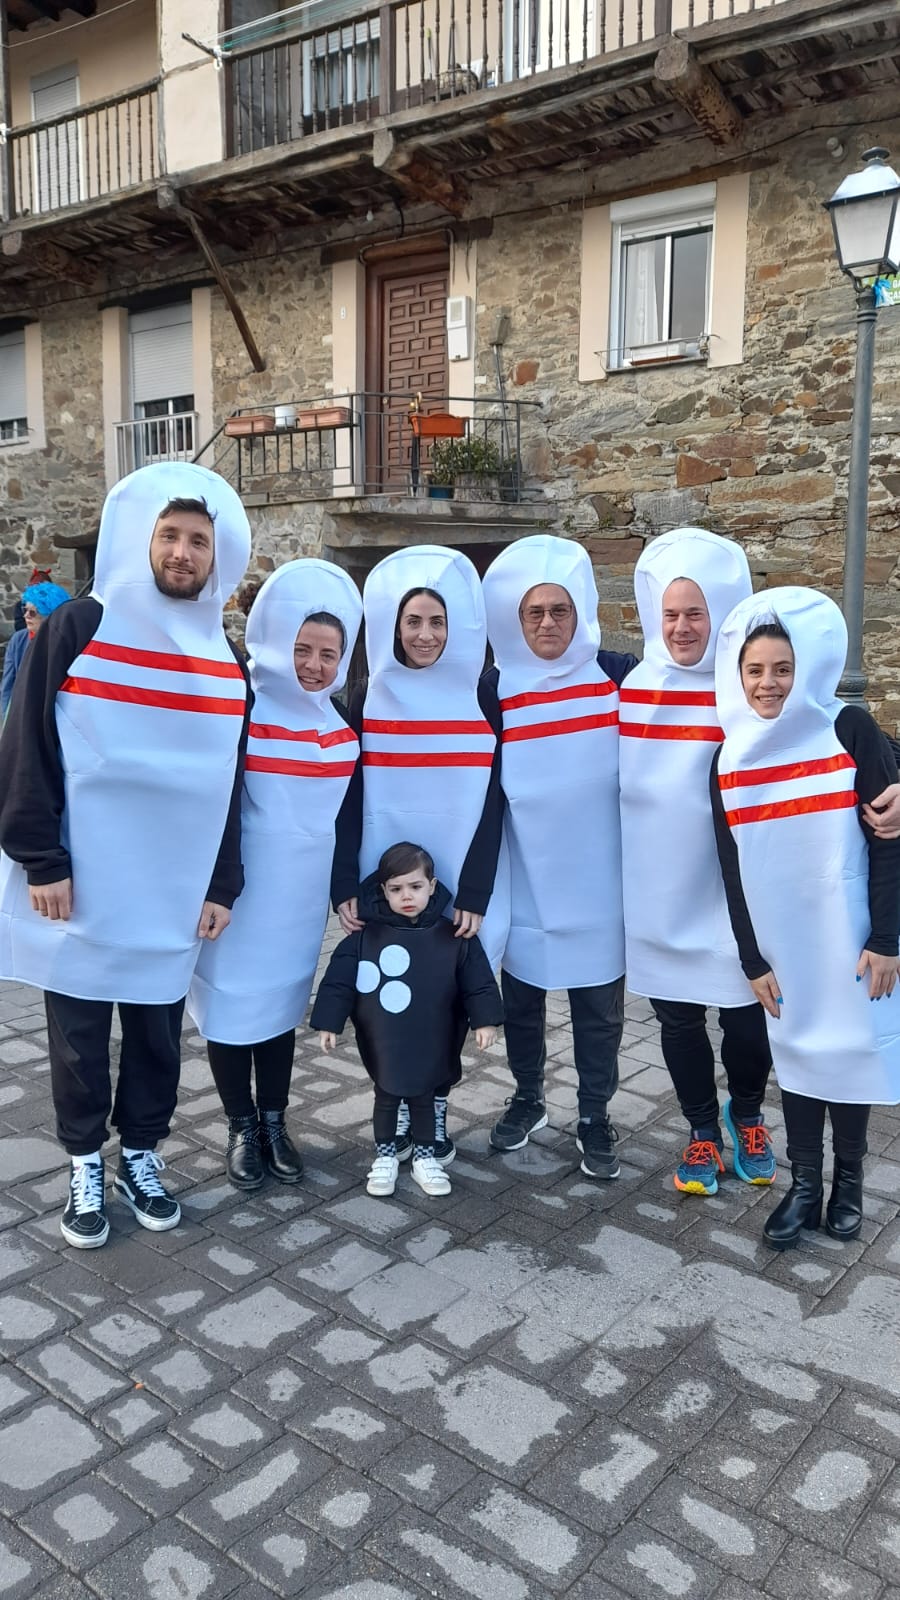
(710, 821)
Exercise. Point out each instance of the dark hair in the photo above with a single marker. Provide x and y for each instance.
(327, 619)
(402, 858)
(182, 503)
(411, 595)
(765, 630)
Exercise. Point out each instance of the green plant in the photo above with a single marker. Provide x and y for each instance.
(473, 454)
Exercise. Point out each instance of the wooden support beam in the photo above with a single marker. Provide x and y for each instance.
(697, 89)
(49, 260)
(6, 172)
(169, 201)
(417, 175)
(46, 8)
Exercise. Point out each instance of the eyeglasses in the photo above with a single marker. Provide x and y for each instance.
(557, 613)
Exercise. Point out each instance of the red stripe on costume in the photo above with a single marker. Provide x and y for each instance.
(444, 758)
(793, 769)
(578, 691)
(161, 660)
(325, 741)
(379, 725)
(792, 808)
(300, 769)
(160, 698)
(667, 697)
(658, 730)
(550, 730)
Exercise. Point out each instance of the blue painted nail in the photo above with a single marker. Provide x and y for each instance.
(779, 1001)
(859, 977)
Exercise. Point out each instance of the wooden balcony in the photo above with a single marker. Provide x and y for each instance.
(98, 150)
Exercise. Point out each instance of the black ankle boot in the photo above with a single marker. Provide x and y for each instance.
(243, 1157)
(282, 1159)
(844, 1214)
(800, 1208)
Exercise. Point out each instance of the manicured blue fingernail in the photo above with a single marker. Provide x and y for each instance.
(859, 977)
(779, 1001)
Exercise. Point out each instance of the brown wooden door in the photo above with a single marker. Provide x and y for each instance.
(407, 355)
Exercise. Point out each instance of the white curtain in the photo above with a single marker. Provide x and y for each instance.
(642, 322)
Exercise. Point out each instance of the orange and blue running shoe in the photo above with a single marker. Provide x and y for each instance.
(754, 1161)
(700, 1166)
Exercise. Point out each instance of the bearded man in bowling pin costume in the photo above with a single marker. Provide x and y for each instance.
(680, 950)
(120, 777)
(560, 774)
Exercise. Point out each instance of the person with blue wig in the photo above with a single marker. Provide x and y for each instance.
(38, 600)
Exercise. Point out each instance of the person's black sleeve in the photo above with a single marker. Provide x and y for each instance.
(334, 1001)
(476, 880)
(227, 880)
(348, 824)
(616, 665)
(862, 738)
(478, 986)
(32, 784)
(895, 748)
(753, 963)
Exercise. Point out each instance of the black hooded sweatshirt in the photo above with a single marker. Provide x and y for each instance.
(412, 989)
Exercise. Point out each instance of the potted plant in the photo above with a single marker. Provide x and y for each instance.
(442, 469)
(477, 468)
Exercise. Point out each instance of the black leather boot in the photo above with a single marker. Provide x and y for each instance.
(800, 1208)
(243, 1157)
(283, 1161)
(844, 1214)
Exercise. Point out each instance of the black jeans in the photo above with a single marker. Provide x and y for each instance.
(804, 1120)
(598, 1016)
(149, 1068)
(231, 1066)
(689, 1057)
(421, 1117)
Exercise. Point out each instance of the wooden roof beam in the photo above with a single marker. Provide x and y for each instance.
(417, 175)
(169, 200)
(46, 9)
(697, 89)
(50, 260)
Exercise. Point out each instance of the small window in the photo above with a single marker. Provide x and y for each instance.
(13, 409)
(661, 275)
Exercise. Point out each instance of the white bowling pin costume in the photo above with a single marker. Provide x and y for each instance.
(149, 721)
(788, 789)
(560, 777)
(678, 939)
(254, 983)
(427, 749)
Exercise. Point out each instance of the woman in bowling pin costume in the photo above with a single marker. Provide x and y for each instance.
(249, 994)
(430, 753)
(813, 893)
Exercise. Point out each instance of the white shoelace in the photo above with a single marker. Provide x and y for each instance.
(142, 1169)
(87, 1187)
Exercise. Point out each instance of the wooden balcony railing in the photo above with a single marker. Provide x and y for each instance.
(95, 150)
(358, 63)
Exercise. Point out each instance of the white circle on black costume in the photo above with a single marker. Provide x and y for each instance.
(367, 977)
(395, 997)
(393, 960)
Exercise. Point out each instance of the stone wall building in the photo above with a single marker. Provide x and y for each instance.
(658, 333)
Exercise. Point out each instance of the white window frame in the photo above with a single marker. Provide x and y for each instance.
(14, 428)
(645, 217)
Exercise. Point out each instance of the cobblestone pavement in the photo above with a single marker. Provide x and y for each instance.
(538, 1386)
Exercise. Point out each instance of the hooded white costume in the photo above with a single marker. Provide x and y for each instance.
(678, 939)
(788, 788)
(254, 982)
(560, 776)
(427, 748)
(149, 721)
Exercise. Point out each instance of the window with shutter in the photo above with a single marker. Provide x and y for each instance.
(162, 383)
(57, 149)
(13, 409)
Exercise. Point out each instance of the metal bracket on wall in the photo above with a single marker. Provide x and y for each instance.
(169, 201)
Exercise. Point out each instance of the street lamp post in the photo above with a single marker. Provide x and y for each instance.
(865, 215)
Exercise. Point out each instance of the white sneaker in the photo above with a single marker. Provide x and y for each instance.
(382, 1177)
(430, 1175)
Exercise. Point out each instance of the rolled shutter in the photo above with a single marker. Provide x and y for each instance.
(162, 359)
(12, 377)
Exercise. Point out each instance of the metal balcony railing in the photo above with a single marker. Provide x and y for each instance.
(149, 439)
(333, 64)
(372, 444)
(95, 150)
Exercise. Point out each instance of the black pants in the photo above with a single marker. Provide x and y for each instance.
(598, 1016)
(149, 1068)
(421, 1116)
(804, 1119)
(689, 1057)
(231, 1065)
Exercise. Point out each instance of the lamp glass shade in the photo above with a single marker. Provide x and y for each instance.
(867, 234)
